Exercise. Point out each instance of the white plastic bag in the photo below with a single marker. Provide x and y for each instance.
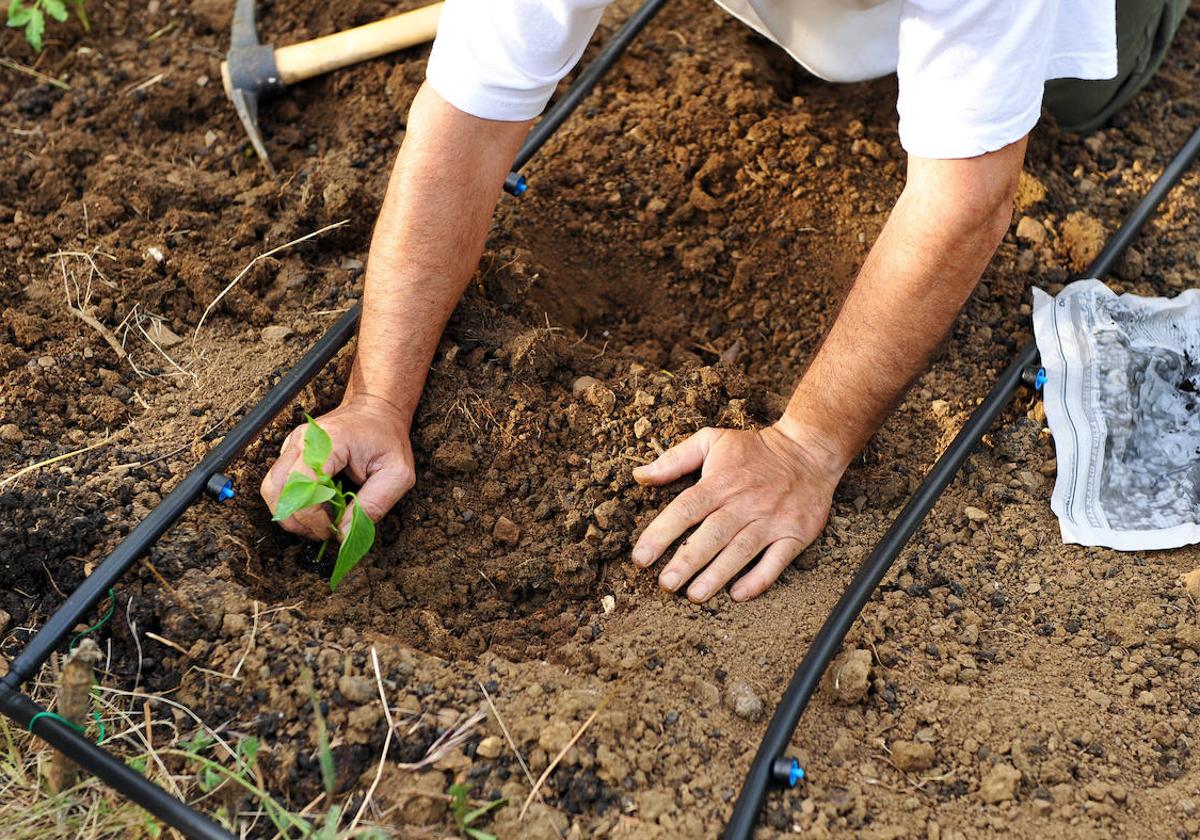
(1122, 397)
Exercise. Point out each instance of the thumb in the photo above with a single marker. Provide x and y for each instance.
(379, 493)
(679, 460)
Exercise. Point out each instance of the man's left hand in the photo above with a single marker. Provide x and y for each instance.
(762, 492)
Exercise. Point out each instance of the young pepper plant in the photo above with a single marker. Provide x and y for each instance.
(301, 491)
(30, 15)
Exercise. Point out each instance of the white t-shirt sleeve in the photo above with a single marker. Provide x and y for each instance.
(972, 72)
(501, 59)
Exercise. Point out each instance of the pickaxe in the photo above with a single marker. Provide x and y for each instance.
(252, 70)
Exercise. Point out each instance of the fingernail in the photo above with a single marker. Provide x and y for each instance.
(698, 592)
(669, 580)
(737, 593)
(642, 556)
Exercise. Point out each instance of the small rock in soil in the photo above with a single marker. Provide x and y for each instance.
(490, 747)
(5, 620)
(1030, 229)
(580, 386)
(745, 703)
(641, 427)
(604, 513)
(975, 514)
(454, 457)
(357, 689)
(506, 531)
(1000, 784)
(9, 433)
(1190, 581)
(910, 756)
(275, 333)
(851, 676)
(163, 335)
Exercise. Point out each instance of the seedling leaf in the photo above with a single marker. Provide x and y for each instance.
(18, 15)
(301, 492)
(57, 9)
(35, 27)
(317, 446)
(471, 816)
(359, 538)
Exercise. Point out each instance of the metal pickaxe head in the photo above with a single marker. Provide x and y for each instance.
(248, 72)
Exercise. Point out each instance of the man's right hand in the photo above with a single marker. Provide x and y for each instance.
(370, 444)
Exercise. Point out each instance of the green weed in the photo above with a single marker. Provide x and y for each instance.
(300, 492)
(30, 15)
(464, 814)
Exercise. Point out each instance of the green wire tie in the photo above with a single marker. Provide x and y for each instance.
(72, 724)
(112, 605)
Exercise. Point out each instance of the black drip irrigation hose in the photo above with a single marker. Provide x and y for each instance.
(138, 542)
(771, 766)
(207, 476)
(515, 183)
(99, 762)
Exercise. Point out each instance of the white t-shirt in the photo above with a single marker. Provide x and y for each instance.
(971, 71)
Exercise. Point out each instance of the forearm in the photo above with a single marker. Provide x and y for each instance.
(427, 243)
(920, 272)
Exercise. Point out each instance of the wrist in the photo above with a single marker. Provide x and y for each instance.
(823, 449)
(392, 412)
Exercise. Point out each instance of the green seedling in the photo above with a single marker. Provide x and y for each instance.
(464, 814)
(30, 15)
(302, 491)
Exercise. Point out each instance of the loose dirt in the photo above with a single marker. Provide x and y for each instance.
(684, 245)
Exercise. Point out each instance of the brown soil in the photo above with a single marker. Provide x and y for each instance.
(685, 242)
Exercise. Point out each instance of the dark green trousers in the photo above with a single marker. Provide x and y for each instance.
(1144, 32)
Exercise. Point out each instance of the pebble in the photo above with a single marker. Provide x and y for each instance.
(1030, 229)
(490, 747)
(910, 756)
(744, 701)
(1000, 784)
(163, 335)
(506, 531)
(580, 386)
(604, 513)
(357, 689)
(47, 361)
(851, 676)
(641, 427)
(10, 433)
(5, 620)
(975, 514)
(1190, 581)
(608, 603)
(276, 333)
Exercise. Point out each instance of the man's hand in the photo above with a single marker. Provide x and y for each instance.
(760, 492)
(771, 490)
(370, 443)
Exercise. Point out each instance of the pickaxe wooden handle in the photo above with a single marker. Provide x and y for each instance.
(297, 62)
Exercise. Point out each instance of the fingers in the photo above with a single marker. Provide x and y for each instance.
(679, 460)
(313, 522)
(687, 509)
(733, 557)
(276, 477)
(701, 547)
(777, 558)
(380, 492)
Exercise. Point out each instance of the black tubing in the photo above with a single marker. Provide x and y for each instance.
(94, 586)
(113, 771)
(587, 80)
(829, 638)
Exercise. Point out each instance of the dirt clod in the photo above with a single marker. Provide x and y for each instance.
(1000, 784)
(744, 700)
(490, 747)
(506, 531)
(911, 756)
(850, 676)
(1083, 236)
